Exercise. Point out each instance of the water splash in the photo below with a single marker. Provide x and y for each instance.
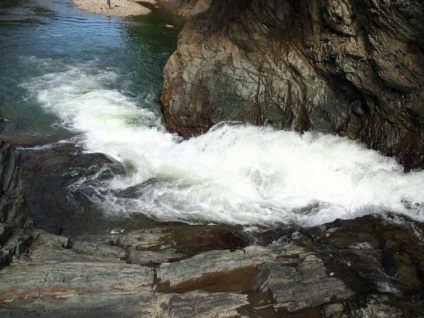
(232, 174)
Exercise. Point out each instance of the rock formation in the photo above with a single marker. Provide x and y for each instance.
(355, 268)
(13, 210)
(14, 214)
(353, 68)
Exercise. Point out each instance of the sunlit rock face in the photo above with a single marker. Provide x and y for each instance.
(186, 8)
(353, 68)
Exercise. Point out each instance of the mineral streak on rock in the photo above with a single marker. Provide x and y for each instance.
(353, 68)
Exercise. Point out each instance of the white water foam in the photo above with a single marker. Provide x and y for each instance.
(234, 173)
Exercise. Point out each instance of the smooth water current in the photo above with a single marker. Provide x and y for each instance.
(66, 73)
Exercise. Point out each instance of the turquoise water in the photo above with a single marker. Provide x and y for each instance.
(38, 38)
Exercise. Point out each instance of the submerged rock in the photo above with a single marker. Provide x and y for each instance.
(353, 68)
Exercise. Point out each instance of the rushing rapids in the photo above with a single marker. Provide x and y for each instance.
(232, 174)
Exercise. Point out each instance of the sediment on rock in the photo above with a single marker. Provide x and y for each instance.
(353, 68)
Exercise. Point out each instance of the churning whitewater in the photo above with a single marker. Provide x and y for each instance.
(233, 174)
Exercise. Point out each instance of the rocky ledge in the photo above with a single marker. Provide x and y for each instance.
(358, 268)
(353, 68)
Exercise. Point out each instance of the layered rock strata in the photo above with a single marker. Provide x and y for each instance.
(356, 268)
(13, 210)
(14, 214)
(353, 68)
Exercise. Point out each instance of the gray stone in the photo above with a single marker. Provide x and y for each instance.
(102, 304)
(50, 248)
(202, 304)
(302, 284)
(100, 250)
(152, 257)
(143, 239)
(65, 280)
(213, 262)
(89, 277)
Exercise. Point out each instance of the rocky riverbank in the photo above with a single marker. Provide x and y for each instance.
(353, 68)
(357, 268)
(119, 8)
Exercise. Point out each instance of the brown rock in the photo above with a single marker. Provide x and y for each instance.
(353, 68)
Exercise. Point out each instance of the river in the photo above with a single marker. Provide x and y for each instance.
(95, 81)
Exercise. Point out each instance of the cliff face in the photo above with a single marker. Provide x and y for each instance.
(14, 214)
(13, 208)
(353, 68)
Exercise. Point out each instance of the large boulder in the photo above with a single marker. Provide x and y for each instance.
(353, 68)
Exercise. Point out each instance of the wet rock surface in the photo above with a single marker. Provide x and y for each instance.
(51, 172)
(353, 68)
